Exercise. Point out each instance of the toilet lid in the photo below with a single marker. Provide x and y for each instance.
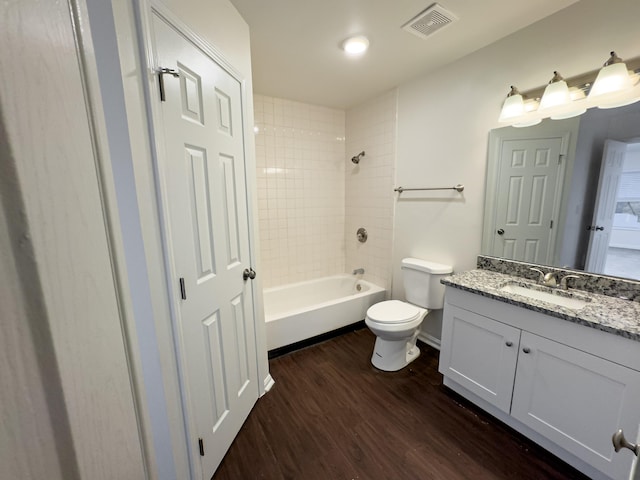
(393, 311)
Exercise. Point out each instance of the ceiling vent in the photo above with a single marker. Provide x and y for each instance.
(430, 21)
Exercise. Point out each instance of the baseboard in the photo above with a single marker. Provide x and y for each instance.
(268, 383)
(429, 340)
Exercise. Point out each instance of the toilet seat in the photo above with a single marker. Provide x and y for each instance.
(394, 312)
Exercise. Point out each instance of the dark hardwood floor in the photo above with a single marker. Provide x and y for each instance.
(332, 415)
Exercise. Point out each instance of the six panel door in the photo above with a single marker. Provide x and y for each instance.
(202, 170)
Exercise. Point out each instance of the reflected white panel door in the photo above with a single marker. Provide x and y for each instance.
(204, 196)
(528, 199)
(610, 171)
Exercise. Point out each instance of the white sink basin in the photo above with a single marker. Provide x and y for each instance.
(572, 302)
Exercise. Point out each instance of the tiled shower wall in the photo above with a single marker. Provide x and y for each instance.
(300, 156)
(369, 198)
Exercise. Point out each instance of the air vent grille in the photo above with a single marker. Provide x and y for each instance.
(430, 21)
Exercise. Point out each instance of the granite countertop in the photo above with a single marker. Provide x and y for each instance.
(609, 314)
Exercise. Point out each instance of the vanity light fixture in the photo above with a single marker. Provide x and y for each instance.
(513, 106)
(556, 93)
(561, 100)
(355, 46)
(516, 107)
(614, 85)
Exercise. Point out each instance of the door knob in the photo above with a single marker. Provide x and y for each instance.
(500, 231)
(248, 273)
(526, 350)
(509, 344)
(619, 442)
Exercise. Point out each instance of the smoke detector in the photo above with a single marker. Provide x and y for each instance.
(429, 21)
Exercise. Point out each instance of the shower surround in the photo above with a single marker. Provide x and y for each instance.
(300, 156)
(312, 198)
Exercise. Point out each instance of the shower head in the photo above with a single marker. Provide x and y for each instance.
(357, 158)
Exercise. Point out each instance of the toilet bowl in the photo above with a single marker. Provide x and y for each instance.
(396, 324)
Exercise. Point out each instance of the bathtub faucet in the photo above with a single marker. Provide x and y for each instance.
(358, 270)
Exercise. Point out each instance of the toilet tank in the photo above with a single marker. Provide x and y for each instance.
(422, 285)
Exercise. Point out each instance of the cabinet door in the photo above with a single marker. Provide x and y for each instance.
(480, 354)
(577, 400)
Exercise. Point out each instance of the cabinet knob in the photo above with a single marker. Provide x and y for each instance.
(509, 344)
(526, 350)
(619, 442)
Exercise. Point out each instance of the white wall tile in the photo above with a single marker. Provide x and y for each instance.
(301, 201)
(369, 199)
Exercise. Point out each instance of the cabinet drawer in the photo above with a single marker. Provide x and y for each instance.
(577, 400)
(480, 354)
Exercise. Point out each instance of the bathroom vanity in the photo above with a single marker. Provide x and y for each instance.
(561, 367)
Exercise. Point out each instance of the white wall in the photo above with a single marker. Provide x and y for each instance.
(300, 170)
(444, 119)
(369, 196)
(68, 410)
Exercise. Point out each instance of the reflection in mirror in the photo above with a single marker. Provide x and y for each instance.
(566, 193)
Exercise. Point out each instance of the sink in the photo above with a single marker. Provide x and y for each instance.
(544, 294)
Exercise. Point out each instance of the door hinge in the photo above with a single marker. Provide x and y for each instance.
(183, 289)
(560, 158)
(201, 445)
(551, 224)
(161, 73)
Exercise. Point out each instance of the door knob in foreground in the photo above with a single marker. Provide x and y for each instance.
(249, 273)
(500, 231)
(619, 442)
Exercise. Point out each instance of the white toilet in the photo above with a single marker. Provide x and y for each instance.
(396, 324)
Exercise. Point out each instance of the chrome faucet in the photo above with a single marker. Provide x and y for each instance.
(563, 281)
(358, 271)
(549, 279)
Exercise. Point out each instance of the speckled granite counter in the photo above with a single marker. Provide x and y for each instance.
(609, 314)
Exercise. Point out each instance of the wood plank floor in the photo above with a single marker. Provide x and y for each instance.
(332, 415)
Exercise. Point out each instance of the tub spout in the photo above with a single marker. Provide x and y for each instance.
(358, 271)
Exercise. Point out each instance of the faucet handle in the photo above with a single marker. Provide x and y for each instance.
(540, 274)
(563, 281)
(551, 279)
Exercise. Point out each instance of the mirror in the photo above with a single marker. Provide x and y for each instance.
(546, 201)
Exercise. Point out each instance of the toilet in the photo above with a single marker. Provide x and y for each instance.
(396, 324)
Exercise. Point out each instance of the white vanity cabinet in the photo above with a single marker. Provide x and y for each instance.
(481, 355)
(568, 387)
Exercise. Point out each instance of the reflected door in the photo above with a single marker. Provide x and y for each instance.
(600, 228)
(202, 172)
(530, 186)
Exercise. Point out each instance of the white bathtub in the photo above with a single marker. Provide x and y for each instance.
(303, 310)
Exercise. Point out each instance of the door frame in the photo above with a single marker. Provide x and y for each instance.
(566, 131)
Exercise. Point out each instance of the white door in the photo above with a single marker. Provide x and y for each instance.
(480, 354)
(600, 228)
(202, 170)
(577, 400)
(530, 188)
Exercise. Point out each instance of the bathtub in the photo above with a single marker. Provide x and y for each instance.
(303, 310)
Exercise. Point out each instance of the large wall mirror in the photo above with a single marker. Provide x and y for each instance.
(566, 193)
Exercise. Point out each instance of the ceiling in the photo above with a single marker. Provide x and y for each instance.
(296, 54)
